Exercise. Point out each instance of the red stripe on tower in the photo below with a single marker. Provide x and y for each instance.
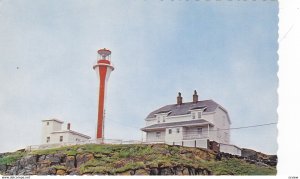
(104, 68)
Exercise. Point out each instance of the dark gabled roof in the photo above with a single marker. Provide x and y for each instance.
(173, 124)
(185, 108)
(73, 132)
(59, 121)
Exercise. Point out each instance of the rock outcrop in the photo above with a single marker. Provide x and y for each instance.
(253, 156)
(129, 160)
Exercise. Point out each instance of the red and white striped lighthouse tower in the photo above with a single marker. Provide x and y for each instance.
(103, 68)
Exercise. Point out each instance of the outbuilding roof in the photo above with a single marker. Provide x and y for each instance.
(59, 121)
(73, 132)
(184, 108)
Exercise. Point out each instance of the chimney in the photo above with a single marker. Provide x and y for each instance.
(179, 99)
(195, 97)
(68, 126)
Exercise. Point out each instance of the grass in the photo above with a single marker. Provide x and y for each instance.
(116, 159)
(71, 153)
(123, 158)
(71, 150)
(93, 163)
(130, 166)
(11, 158)
(239, 167)
(125, 150)
(95, 170)
(59, 167)
(100, 167)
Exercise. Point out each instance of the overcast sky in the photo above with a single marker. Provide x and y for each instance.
(225, 50)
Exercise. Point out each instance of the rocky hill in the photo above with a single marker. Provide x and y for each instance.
(93, 159)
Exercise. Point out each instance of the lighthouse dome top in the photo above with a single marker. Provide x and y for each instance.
(104, 52)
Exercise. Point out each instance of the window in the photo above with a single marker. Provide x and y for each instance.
(178, 130)
(47, 123)
(48, 139)
(199, 115)
(61, 138)
(193, 116)
(226, 136)
(158, 121)
(77, 140)
(170, 131)
(218, 132)
(164, 118)
(199, 130)
(158, 134)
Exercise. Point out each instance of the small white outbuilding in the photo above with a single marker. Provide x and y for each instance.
(231, 149)
(52, 133)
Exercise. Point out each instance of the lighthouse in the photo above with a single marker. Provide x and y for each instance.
(103, 69)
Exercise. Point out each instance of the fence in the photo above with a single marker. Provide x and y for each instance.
(199, 143)
(187, 143)
(100, 141)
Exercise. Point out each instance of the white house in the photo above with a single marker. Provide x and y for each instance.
(52, 133)
(189, 124)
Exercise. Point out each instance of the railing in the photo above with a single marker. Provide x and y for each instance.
(193, 133)
(101, 141)
(195, 136)
(154, 139)
(189, 143)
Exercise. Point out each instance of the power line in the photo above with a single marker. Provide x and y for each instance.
(244, 127)
(218, 130)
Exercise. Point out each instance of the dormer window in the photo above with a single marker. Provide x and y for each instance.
(218, 133)
(193, 116)
(196, 112)
(164, 118)
(226, 136)
(199, 115)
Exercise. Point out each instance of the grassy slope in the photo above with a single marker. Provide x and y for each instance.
(113, 159)
(11, 158)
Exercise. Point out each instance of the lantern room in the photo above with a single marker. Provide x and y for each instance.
(104, 54)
